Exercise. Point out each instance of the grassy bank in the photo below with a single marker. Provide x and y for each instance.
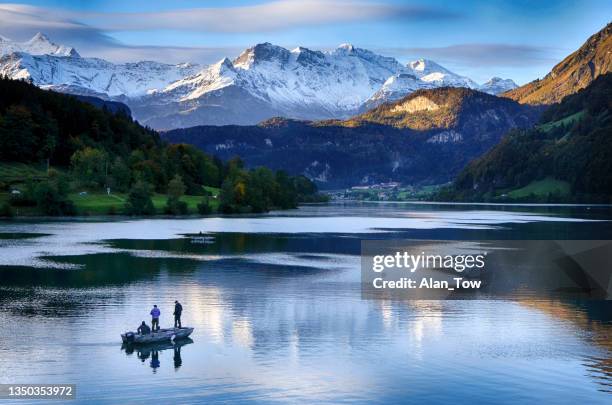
(101, 203)
(542, 188)
(113, 204)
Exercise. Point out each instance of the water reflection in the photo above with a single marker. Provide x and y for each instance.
(279, 317)
(151, 352)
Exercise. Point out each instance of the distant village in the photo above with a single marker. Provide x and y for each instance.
(391, 191)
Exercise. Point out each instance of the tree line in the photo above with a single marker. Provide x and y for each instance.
(90, 148)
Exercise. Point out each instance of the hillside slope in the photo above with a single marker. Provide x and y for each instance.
(572, 144)
(575, 72)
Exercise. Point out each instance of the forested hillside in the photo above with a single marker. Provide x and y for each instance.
(64, 145)
(567, 157)
(425, 138)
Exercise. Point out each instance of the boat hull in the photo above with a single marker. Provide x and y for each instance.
(157, 336)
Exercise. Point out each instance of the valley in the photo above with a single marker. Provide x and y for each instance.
(425, 138)
(342, 118)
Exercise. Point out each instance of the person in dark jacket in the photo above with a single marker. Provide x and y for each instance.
(143, 329)
(178, 310)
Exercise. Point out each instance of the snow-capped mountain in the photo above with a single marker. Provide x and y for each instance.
(334, 82)
(92, 76)
(264, 81)
(38, 45)
(430, 72)
(497, 85)
(396, 87)
(300, 83)
(420, 74)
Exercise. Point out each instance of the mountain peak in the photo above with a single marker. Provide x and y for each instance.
(497, 85)
(264, 52)
(426, 66)
(346, 47)
(40, 37)
(226, 61)
(225, 65)
(306, 56)
(39, 44)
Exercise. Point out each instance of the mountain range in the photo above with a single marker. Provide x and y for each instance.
(262, 82)
(429, 135)
(381, 121)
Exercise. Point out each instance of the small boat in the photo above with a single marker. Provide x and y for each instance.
(157, 336)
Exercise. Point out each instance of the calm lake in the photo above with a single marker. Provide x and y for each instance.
(278, 314)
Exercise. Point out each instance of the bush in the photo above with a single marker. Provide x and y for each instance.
(139, 200)
(204, 207)
(22, 200)
(6, 210)
(174, 206)
(51, 199)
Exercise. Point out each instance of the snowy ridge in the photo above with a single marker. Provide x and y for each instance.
(38, 45)
(430, 72)
(90, 76)
(264, 81)
(497, 85)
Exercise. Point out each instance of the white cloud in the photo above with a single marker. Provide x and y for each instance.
(271, 16)
(488, 54)
(91, 32)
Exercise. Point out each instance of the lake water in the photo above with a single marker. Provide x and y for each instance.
(278, 314)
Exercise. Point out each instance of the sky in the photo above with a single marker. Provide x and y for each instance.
(519, 39)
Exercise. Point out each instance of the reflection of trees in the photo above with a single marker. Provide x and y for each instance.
(21, 284)
(246, 243)
(97, 270)
(118, 269)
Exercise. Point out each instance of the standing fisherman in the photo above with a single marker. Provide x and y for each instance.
(155, 318)
(178, 310)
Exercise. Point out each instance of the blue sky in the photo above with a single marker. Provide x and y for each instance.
(518, 39)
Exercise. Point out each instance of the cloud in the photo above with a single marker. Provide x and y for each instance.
(20, 22)
(265, 17)
(166, 54)
(477, 55)
(91, 32)
(271, 16)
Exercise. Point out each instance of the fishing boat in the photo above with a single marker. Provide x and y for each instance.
(160, 335)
